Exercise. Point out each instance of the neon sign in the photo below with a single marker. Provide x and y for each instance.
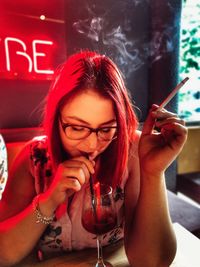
(33, 59)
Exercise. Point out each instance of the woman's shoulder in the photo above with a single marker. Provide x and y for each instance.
(20, 175)
(31, 160)
(133, 160)
(26, 152)
(133, 151)
(132, 187)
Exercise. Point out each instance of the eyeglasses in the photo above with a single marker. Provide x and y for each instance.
(79, 132)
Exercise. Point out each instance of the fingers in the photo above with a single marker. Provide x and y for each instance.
(163, 117)
(169, 120)
(175, 129)
(80, 163)
(71, 185)
(162, 114)
(169, 124)
(70, 176)
(160, 118)
(77, 171)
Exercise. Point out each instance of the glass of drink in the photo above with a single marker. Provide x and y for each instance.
(99, 215)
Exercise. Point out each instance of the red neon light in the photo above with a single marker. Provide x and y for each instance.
(11, 39)
(37, 54)
(29, 60)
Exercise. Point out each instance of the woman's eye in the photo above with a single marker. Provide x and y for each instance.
(105, 130)
(77, 128)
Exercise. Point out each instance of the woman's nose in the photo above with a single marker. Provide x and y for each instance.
(92, 141)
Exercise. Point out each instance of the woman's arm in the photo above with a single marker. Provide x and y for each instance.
(18, 229)
(149, 237)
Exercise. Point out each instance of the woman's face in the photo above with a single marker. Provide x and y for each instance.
(91, 110)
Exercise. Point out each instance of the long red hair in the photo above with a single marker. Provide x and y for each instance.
(91, 70)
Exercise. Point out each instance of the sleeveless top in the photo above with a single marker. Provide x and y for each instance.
(3, 166)
(66, 232)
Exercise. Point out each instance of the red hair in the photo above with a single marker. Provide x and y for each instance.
(91, 70)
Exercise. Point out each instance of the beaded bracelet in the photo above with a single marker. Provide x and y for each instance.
(40, 217)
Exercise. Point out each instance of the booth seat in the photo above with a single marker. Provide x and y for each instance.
(13, 149)
(16, 138)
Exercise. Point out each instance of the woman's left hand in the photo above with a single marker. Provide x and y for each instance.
(157, 149)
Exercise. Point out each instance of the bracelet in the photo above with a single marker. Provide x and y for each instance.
(40, 218)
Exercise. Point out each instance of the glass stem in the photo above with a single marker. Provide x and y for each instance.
(100, 253)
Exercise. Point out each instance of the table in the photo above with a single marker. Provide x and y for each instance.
(85, 258)
(188, 254)
(188, 248)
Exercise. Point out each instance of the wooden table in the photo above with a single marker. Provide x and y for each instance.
(86, 258)
(188, 254)
(115, 254)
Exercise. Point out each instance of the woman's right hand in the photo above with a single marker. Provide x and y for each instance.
(70, 176)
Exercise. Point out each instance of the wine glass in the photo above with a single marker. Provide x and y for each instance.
(99, 215)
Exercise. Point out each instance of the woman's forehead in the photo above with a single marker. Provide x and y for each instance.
(90, 107)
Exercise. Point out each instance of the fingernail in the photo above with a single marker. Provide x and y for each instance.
(154, 107)
(154, 113)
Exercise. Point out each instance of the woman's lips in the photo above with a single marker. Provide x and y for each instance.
(93, 155)
(89, 155)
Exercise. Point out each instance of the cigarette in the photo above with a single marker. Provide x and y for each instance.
(172, 94)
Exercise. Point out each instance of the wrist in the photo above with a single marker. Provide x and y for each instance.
(41, 216)
(46, 205)
(152, 176)
(153, 184)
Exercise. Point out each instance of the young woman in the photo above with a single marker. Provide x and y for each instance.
(91, 129)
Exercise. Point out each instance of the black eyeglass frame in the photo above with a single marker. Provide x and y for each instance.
(91, 130)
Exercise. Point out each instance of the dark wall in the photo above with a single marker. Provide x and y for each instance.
(119, 29)
(22, 103)
(164, 65)
(142, 37)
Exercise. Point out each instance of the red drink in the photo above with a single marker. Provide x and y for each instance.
(99, 214)
(99, 225)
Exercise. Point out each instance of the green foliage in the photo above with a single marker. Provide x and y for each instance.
(189, 97)
(190, 41)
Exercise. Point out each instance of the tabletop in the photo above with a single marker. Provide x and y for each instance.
(188, 248)
(114, 254)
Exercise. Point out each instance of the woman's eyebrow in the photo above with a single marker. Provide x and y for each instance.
(108, 122)
(85, 122)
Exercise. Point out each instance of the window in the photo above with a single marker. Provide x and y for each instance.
(189, 96)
